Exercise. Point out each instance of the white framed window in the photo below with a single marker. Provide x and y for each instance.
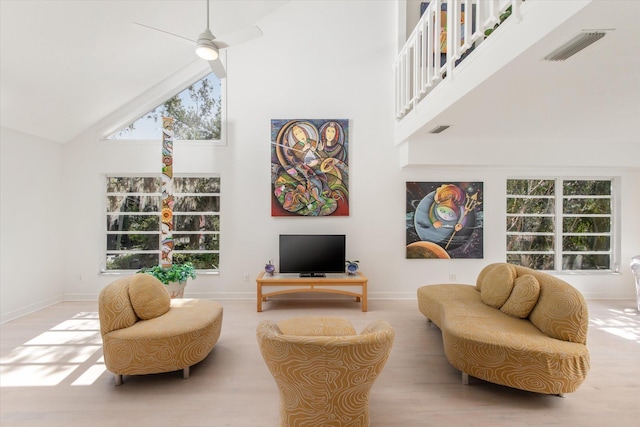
(562, 224)
(133, 222)
(198, 111)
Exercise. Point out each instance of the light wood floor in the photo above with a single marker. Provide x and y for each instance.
(52, 375)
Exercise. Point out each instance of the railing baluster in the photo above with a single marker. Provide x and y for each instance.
(415, 68)
(468, 24)
(423, 59)
(418, 68)
(479, 19)
(428, 22)
(407, 101)
(451, 35)
(515, 9)
(493, 16)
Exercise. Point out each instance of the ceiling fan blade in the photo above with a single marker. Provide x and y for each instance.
(237, 37)
(218, 68)
(191, 42)
(220, 44)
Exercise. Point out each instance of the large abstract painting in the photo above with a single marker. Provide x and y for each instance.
(310, 167)
(444, 220)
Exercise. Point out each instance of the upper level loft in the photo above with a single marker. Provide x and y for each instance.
(446, 33)
(488, 70)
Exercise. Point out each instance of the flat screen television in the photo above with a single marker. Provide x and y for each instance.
(312, 255)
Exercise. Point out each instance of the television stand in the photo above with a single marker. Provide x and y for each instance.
(313, 275)
(294, 283)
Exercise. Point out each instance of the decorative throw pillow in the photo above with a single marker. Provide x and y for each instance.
(115, 307)
(497, 285)
(524, 297)
(148, 296)
(484, 273)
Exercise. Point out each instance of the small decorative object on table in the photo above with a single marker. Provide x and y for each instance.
(174, 278)
(635, 267)
(270, 268)
(352, 267)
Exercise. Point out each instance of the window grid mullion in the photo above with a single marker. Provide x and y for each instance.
(567, 227)
(127, 219)
(133, 232)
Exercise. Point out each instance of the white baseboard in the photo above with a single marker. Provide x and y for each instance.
(251, 296)
(31, 308)
(240, 296)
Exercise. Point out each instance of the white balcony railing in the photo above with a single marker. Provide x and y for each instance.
(435, 48)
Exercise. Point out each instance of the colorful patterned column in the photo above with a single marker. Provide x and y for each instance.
(167, 192)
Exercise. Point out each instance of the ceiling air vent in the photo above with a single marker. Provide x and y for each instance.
(574, 45)
(439, 129)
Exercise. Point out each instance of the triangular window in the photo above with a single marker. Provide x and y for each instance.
(197, 112)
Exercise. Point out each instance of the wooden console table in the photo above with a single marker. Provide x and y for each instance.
(294, 283)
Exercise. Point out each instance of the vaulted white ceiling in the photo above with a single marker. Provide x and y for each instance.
(65, 65)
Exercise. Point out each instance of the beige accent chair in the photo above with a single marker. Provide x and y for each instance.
(324, 370)
(144, 331)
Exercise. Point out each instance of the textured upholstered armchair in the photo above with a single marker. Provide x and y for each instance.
(144, 331)
(323, 369)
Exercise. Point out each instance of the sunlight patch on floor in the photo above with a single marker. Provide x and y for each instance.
(70, 351)
(92, 374)
(624, 323)
(49, 354)
(34, 375)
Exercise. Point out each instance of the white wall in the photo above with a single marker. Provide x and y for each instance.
(494, 176)
(32, 242)
(318, 62)
(336, 73)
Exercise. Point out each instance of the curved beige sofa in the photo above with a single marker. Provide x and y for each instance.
(324, 369)
(517, 327)
(144, 331)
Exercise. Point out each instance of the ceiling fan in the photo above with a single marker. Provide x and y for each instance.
(208, 47)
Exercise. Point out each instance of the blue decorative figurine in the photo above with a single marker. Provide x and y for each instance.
(270, 268)
(352, 267)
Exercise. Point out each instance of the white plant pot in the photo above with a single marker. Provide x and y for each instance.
(176, 289)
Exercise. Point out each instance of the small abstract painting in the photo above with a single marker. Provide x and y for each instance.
(167, 192)
(310, 167)
(444, 220)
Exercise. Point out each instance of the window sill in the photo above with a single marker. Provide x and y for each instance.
(586, 273)
(129, 272)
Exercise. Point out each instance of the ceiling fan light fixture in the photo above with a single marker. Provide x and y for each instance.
(208, 52)
(205, 48)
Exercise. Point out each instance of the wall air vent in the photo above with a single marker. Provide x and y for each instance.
(439, 129)
(574, 45)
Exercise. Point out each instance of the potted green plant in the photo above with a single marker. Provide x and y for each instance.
(503, 16)
(174, 277)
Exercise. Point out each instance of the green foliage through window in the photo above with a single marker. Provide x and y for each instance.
(133, 223)
(197, 114)
(561, 225)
